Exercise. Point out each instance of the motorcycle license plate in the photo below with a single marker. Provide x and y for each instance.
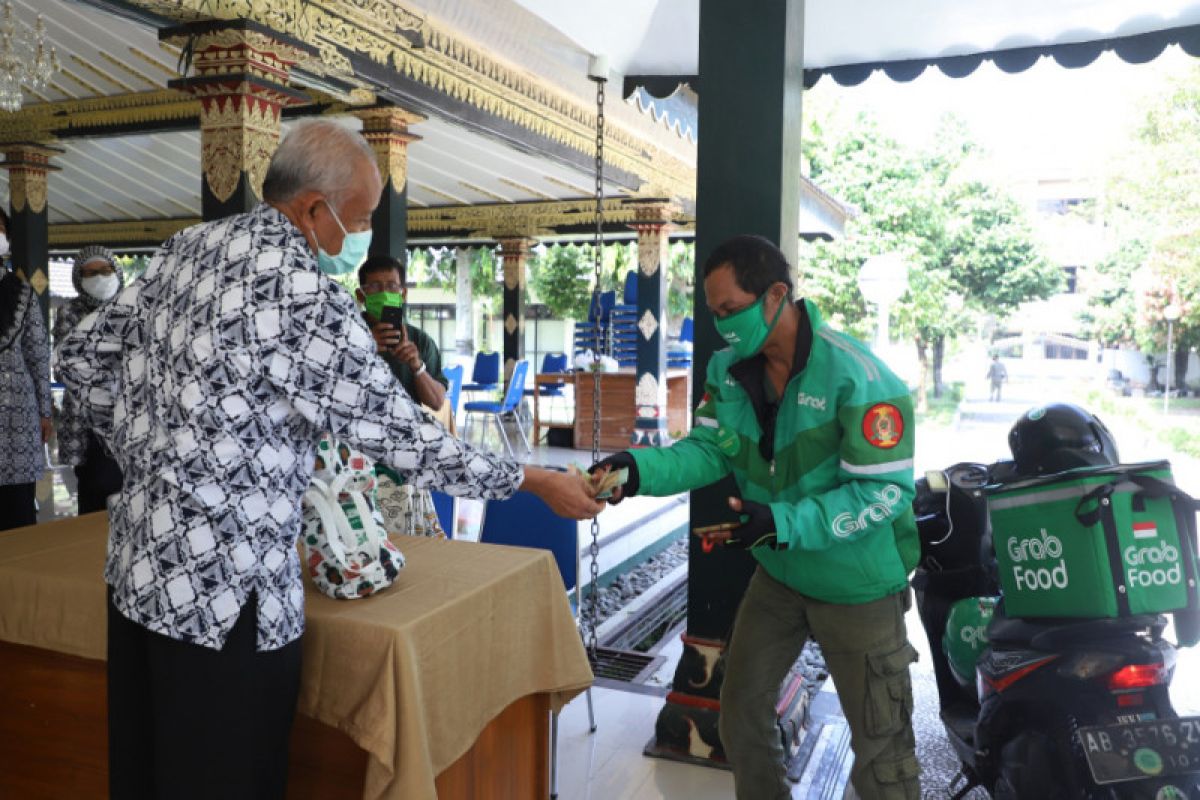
(1140, 750)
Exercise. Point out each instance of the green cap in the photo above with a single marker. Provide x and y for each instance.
(375, 303)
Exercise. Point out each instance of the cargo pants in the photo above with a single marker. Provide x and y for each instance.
(867, 652)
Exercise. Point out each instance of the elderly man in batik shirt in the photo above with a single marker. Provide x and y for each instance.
(211, 379)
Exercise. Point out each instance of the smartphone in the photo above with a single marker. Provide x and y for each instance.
(393, 315)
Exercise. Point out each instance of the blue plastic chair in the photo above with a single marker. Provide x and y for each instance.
(552, 364)
(607, 301)
(631, 292)
(507, 407)
(485, 375)
(454, 375)
(524, 520)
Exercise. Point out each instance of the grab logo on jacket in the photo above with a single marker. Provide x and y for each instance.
(887, 498)
(811, 401)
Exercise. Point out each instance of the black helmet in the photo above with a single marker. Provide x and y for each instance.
(1060, 436)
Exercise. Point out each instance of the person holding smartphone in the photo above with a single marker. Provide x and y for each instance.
(412, 354)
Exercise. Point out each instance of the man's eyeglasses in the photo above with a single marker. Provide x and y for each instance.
(371, 287)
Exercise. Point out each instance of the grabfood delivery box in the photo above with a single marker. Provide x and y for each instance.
(1095, 542)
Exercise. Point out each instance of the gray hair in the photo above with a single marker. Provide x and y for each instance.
(318, 155)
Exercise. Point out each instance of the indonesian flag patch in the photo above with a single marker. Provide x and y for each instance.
(1145, 530)
(883, 426)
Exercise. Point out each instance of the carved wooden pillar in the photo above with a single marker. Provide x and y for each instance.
(28, 165)
(653, 225)
(514, 254)
(241, 74)
(386, 128)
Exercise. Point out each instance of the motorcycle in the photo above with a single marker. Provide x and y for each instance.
(1046, 708)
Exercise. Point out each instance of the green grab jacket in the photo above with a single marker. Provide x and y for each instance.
(839, 481)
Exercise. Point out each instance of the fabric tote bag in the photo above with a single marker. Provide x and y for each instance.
(346, 548)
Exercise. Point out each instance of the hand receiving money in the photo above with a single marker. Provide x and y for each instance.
(603, 482)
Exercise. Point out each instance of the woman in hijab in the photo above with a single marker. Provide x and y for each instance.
(97, 279)
(24, 395)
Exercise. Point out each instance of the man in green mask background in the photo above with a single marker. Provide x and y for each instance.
(818, 434)
(411, 353)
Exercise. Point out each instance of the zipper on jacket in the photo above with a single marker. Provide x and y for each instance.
(772, 471)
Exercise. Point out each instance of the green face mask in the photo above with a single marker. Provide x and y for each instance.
(375, 302)
(746, 331)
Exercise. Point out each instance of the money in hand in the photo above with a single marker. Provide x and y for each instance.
(603, 483)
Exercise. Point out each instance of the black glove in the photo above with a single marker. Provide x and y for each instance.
(757, 528)
(622, 460)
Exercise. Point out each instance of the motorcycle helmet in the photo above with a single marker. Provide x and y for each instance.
(966, 636)
(1058, 437)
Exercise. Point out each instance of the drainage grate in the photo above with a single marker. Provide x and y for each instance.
(623, 665)
(646, 630)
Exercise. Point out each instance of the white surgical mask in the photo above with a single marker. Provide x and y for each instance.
(102, 287)
(3, 244)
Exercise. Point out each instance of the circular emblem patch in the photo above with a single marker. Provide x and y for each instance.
(1148, 761)
(1170, 792)
(883, 426)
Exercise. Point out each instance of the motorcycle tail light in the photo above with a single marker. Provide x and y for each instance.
(1138, 676)
(1086, 666)
(1131, 699)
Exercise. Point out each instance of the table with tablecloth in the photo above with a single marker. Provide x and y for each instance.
(412, 675)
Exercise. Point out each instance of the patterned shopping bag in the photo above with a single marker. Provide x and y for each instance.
(346, 548)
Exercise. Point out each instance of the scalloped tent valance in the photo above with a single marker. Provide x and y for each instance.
(1136, 49)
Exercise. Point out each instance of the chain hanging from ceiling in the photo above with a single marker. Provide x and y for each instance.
(599, 74)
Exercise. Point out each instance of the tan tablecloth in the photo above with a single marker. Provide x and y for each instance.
(412, 675)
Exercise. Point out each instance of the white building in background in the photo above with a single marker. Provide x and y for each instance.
(1045, 337)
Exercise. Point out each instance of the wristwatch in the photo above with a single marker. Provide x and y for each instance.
(419, 372)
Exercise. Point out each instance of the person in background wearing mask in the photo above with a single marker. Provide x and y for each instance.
(97, 278)
(818, 434)
(411, 353)
(24, 394)
(212, 384)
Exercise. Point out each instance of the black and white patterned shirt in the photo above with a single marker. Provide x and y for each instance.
(231, 357)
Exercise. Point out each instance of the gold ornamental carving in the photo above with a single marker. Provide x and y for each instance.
(237, 134)
(395, 37)
(506, 220)
(27, 165)
(514, 253)
(386, 130)
(652, 221)
(39, 281)
(118, 233)
(27, 190)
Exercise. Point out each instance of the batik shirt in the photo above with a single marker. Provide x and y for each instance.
(212, 378)
(24, 389)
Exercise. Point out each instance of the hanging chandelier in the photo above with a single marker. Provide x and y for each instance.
(25, 59)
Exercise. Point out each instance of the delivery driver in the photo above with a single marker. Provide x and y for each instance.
(818, 435)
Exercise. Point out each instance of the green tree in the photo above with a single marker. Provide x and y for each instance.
(682, 277)
(562, 279)
(969, 249)
(1111, 312)
(1153, 206)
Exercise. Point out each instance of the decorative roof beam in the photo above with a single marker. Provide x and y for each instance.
(409, 60)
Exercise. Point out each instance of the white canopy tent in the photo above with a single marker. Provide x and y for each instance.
(660, 37)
